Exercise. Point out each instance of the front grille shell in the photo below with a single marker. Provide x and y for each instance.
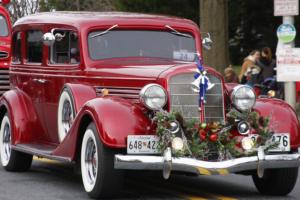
(186, 102)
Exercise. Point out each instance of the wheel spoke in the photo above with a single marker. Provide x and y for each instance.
(91, 161)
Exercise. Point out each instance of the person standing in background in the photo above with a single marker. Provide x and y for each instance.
(267, 64)
(250, 61)
(230, 75)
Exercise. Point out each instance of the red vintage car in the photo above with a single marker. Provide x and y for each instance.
(5, 39)
(122, 91)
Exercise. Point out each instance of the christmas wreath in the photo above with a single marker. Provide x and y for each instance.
(212, 141)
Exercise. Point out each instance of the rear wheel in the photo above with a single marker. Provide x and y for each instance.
(99, 177)
(277, 182)
(11, 160)
(65, 114)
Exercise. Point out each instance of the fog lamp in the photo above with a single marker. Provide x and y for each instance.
(247, 143)
(177, 144)
(243, 128)
(174, 127)
(271, 93)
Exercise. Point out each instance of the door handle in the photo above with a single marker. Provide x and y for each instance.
(38, 80)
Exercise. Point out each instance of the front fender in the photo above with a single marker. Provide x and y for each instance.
(25, 124)
(283, 118)
(81, 94)
(115, 118)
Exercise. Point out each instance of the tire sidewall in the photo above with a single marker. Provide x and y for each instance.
(65, 95)
(5, 121)
(89, 134)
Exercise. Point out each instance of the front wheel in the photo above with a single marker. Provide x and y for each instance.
(276, 182)
(11, 160)
(99, 177)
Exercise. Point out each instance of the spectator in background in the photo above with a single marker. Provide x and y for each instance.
(230, 75)
(267, 64)
(249, 61)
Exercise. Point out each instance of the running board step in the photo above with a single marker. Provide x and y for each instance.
(39, 150)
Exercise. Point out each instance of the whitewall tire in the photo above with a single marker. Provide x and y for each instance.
(100, 179)
(89, 162)
(65, 114)
(11, 160)
(5, 141)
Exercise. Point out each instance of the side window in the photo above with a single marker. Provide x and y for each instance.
(65, 49)
(16, 48)
(3, 25)
(34, 47)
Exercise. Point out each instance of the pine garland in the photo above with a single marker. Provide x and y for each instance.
(212, 141)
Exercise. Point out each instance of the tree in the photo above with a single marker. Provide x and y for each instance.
(252, 26)
(21, 8)
(214, 20)
(181, 8)
(77, 5)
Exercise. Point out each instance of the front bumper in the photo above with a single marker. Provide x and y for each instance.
(141, 162)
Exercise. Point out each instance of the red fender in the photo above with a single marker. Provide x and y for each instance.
(283, 118)
(25, 124)
(81, 94)
(115, 119)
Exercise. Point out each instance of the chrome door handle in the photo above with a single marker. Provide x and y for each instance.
(38, 80)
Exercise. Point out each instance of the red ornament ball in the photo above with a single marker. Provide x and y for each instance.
(213, 137)
(203, 134)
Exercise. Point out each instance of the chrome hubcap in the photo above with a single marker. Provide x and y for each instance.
(6, 142)
(91, 161)
(67, 116)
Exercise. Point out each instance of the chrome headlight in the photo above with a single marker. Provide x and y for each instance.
(153, 96)
(243, 97)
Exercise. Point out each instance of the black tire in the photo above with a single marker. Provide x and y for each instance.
(14, 160)
(277, 182)
(108, 181)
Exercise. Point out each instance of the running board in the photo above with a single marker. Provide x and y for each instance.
(44, 151)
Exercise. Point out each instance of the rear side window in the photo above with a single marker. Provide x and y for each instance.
(16, 48)
(34, 47)
(65, 50)
(3, 27)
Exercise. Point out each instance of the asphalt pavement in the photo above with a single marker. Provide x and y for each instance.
(49, 180)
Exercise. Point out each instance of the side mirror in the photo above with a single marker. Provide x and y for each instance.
(207, 42)
(49, 38)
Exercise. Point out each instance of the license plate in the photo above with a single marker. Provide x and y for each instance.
(283, 141)
(142, 144)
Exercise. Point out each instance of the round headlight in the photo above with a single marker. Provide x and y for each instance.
(153, 96)
(243, 97)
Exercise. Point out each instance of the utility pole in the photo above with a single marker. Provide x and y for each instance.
(287, 71)
(289, 87)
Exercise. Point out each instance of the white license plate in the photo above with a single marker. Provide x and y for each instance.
(283, 141)
(142, 144)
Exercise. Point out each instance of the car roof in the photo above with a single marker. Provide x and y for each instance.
(79, 19)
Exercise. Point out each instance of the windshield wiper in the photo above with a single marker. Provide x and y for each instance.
(104, 32)
(174, 31)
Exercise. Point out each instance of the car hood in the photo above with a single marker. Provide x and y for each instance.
(135, 69)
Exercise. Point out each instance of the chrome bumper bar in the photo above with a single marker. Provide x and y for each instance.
(142, 162)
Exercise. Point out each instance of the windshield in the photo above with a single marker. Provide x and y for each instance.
(136, 43)
(3, 25)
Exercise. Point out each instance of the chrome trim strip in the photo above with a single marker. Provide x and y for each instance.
(141, 162)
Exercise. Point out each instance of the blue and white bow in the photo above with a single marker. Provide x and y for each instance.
(201, 83)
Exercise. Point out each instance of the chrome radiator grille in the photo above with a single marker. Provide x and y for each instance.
(4, 80)
(185, 101)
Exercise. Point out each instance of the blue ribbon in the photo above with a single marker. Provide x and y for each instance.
(204, 83)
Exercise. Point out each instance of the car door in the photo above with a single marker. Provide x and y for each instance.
(63, 62)
(27, 64)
